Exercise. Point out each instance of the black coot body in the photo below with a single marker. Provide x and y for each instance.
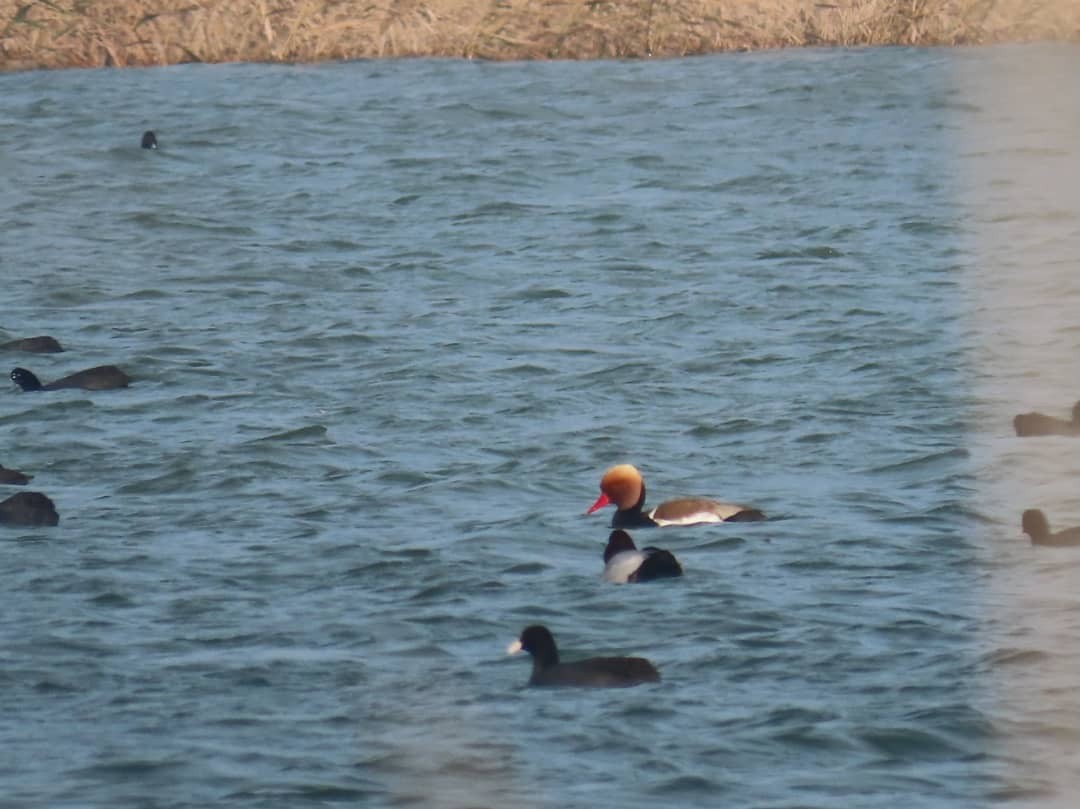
(595, 672)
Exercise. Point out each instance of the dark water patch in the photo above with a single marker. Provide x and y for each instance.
(1013, 793)
(904, 743)
(38, 409)
(966, 723)
(814, 740)
(50, 686)
(530, 370)
(542, 293)
(687, 785)
(299, 435)
(116, 600)
(731, 426)
(157, 221)
(305, 794)
(146, 295)
(924, 462)
(314, 246)
(168, 483)
(728, 541)
(495, 210)
(526, 569)
(819, 252)
(1015, 657)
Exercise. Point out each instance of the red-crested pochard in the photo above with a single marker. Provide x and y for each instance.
(623, 486)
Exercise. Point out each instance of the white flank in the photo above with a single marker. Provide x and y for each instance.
(621, 565)
(723, 511)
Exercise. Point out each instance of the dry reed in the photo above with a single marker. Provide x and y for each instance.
(95, 33)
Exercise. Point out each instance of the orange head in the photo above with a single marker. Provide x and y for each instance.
(621, 485)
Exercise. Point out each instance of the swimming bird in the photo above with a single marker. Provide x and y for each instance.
(13, 477)
(102, 377)
(37, 345)
(624, 486)
(149, 140)
(1035, 525)
(624, 563)
(597, 672)
(1029, 424)
(28, 508)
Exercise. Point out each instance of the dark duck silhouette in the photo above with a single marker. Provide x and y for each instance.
(34, 345)
(595, 672)
(1031, 424)
(1035, 525)
(624, 563)
(624, 486)
(28, 508)
(102, 377)
(13, 477)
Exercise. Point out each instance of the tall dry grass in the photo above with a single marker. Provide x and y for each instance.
(93, 33)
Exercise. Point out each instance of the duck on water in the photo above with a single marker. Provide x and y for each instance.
(13, 477)
(42, 344)
(102, 377)
(1033, 522)
(624, 563)
(623, 486)
(28, 508)
(593, 672)
(1034, 424)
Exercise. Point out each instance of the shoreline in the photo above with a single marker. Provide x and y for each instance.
(38, 35)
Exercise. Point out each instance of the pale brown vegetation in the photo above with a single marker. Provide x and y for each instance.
(92, 33)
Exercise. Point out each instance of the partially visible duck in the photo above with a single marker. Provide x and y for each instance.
(35, 345)
(1029, 424)
(103, 377)
(624, 486)
(624, 563)
(595, 672)
(149, 140)
(1035, 525)
(28, 508)
(13, 477)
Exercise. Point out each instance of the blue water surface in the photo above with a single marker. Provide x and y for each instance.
(388, 324)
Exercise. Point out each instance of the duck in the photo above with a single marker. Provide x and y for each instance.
(623, 486)
(594, 672)
(1034, 523)
(43, 344)
(149, 140)
(624, 563)
(102, 377)
(1029, 424)
(13, 477)
(28, 508)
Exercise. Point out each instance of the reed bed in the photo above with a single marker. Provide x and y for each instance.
(97, 33)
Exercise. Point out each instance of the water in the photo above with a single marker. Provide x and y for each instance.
(389, 323)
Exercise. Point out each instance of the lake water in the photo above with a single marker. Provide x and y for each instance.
(390, 321)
